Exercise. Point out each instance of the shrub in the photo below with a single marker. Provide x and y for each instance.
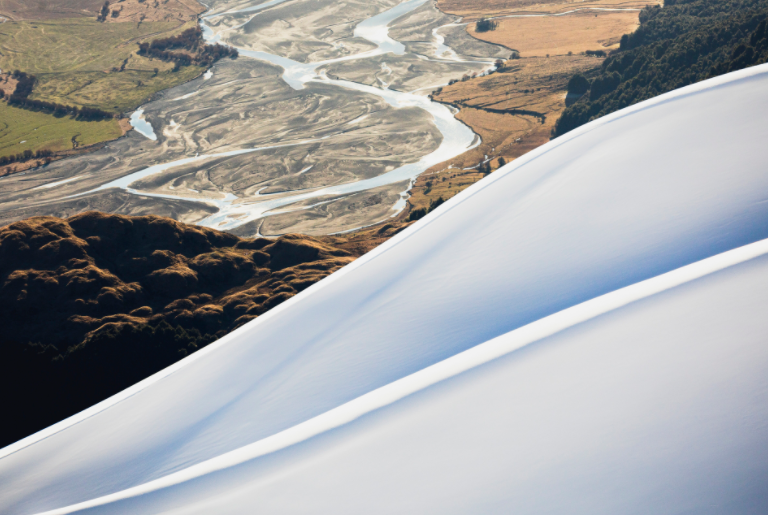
(417, 214)
(102, 15)
(486, 25)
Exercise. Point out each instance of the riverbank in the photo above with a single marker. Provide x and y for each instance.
(514, 110)
(303, 151)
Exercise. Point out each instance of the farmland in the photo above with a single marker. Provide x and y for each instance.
(77, 61)
(81, 62)
(21, 130)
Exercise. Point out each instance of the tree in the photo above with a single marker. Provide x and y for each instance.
(486, 25)
(578, 85)
(104, 12)
(417, 214)
(435, 203)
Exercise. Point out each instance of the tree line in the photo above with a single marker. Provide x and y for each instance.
(102, 14)
(25, 156)
(191, 40)
(418, 214)
(682, 43)
(20, 98)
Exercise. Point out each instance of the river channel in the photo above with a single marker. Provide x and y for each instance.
(457, 138)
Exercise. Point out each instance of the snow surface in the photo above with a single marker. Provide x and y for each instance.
(532, 346)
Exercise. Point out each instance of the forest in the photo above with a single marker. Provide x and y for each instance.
(682, 43)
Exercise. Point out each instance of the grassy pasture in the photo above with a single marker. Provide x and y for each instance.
(41, 131)
(47, 9)
(74, 59)
(114, 92)
(74, 44)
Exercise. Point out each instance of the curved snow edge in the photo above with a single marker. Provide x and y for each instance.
(446, 369)
(500, 174)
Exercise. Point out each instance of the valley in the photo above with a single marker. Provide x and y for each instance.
(330, 127)
(383, 256)
(363, 133)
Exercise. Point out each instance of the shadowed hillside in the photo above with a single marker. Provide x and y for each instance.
(91, 304)
(684, 42)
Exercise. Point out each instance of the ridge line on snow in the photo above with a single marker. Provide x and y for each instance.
(441, 371)
(713, 83)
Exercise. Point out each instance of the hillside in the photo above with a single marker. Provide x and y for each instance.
(579, 332)
(684, 42)
(94, 303)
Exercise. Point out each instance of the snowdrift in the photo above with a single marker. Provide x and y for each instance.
(584, 331)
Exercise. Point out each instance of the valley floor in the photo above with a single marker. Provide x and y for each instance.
(320, 142)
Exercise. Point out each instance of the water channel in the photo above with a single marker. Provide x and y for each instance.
(457, 138)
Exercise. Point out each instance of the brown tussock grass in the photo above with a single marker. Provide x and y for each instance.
(558, 35)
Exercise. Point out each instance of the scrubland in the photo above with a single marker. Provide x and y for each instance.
(140, 290)
(77, 61)
(21, 130)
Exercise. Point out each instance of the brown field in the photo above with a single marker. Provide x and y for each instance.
(48, 9)
(130, 10)
(513, 111)
(151, 10)
(472, 9)
(558, 35)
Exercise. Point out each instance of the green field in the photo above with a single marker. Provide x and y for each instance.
(114, 92)
(40, 131)
(74, 61)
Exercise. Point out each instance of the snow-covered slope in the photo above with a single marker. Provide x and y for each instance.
(626, 394)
